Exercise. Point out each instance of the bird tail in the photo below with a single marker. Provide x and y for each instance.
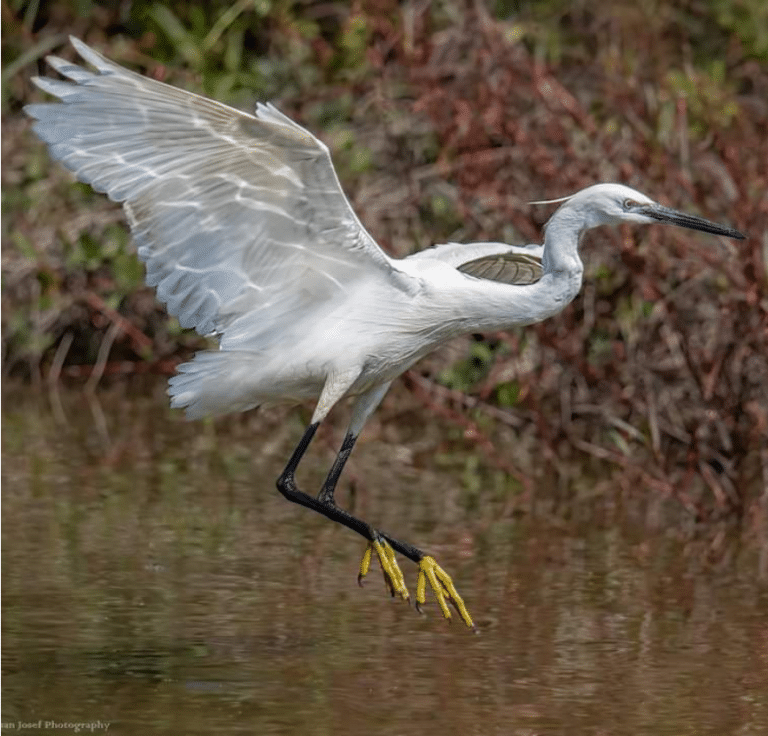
(216, 382)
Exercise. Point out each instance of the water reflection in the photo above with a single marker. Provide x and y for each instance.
(163, 586)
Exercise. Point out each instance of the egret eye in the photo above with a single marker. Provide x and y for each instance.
(630, 204)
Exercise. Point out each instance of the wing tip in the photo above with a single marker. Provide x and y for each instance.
(101, 62)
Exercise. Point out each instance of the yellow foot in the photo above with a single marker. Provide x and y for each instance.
(393, 576)
(443, 588)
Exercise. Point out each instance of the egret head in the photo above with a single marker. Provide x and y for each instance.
(611, 204)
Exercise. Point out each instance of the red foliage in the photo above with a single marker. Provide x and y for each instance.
(681, 386)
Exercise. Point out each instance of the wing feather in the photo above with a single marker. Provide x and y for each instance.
(227, 209)
(516, 269)
(516, 265)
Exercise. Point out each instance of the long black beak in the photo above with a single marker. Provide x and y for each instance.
(673, 217)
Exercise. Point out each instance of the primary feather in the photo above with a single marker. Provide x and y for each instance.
(229, 210)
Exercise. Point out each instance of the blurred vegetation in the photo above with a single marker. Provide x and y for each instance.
(444, 119)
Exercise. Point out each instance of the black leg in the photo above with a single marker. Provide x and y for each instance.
(407, 550)
(286, 484)
(326, 493)
(324, 503)
(380, 542)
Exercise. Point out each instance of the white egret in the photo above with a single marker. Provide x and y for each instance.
(247, 235)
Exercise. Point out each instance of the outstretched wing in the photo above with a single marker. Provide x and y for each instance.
(236, 216)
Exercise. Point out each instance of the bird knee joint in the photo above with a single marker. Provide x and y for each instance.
(285, 482)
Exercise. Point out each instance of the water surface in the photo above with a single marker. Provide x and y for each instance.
(155, 581)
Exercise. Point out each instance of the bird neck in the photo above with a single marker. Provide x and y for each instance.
(561, 245)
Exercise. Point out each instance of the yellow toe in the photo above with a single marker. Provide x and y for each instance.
(393, 575)
(443, 588)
